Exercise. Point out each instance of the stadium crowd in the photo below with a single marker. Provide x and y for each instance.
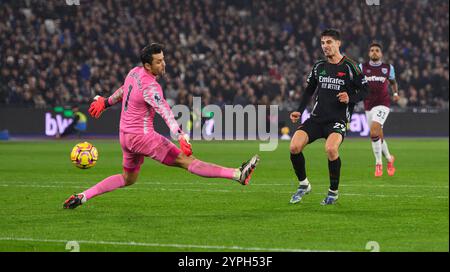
(228, 52)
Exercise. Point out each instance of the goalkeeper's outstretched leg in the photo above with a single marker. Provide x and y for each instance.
(109, 184)
(204, 169)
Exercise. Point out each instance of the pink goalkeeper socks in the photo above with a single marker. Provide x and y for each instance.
(109, 184)
(211, 170)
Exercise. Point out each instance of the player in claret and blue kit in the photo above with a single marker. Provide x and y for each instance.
(376, 104)
(142, 97)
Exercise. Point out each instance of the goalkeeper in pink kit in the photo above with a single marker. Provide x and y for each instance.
(141, 98)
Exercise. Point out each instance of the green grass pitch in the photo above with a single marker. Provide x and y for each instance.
(169, 209)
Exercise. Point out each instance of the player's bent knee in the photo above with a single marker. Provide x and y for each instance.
(295, 149)
(375, 132)
(298, 142)
(374, 135)
(332, 150)
(129, 182)
(130, 178)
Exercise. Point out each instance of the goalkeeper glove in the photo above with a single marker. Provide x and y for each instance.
(97, 106)
(184, 144)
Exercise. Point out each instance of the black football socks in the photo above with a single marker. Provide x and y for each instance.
(298, 162)
(334, 168)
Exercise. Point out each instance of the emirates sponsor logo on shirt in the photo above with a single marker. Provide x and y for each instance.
(333, 80)
(331, 83)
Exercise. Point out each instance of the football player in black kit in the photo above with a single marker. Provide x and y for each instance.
(340, 85)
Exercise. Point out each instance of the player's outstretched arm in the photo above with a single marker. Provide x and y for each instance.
(97, 106)
(153, 95)
(100, 104)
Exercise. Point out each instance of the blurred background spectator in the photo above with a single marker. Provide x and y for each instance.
(229, 52)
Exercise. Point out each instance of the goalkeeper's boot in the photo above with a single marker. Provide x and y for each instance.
(74, 201)
(330, 199)
(301, 191)
(247, 169)
(390, 166)
(378, 170)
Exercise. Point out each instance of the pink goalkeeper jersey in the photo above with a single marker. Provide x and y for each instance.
(141, 97)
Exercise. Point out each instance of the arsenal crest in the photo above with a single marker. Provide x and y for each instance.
(384, 70)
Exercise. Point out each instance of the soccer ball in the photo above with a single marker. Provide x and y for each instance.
(84, 155)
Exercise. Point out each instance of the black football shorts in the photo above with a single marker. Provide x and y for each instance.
(317, 130)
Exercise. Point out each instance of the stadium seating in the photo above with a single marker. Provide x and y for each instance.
(229, 52)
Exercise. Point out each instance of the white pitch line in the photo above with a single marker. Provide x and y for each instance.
(291, 184)
(369, 185)
(164, 245)
(220, 191)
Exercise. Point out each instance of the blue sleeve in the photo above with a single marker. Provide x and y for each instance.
(392, 73)
(360, 67)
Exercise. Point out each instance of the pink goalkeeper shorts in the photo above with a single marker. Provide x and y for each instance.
(136, 146)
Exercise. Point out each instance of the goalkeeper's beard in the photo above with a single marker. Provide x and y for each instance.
(158, 73)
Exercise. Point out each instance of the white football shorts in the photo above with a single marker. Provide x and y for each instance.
(377, 114)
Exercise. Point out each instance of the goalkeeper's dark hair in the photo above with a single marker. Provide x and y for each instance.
(376, 44)
(148, 51)
(329, 32)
